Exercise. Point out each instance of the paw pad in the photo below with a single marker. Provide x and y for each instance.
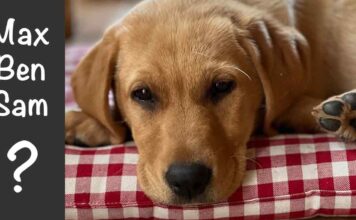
(333, 108)
(338, 115)
(350, 99)
(330, 124)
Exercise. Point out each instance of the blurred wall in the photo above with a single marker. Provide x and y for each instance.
(90, 18)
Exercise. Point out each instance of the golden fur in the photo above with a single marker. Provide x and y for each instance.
(288, 56)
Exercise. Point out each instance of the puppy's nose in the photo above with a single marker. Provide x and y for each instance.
(188, 180)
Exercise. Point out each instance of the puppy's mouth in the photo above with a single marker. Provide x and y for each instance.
(197, 200)
(192, 183)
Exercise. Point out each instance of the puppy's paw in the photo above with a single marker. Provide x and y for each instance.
(83, 130)
(338, 115)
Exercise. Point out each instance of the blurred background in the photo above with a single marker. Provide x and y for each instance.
(86, 20)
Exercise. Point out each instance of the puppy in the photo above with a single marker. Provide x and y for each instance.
(193, 79)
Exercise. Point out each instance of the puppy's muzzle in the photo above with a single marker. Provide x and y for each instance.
(188, 180)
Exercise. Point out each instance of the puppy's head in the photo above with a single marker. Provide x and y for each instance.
(189, 82)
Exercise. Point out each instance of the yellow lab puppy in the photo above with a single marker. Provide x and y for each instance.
(193, 79)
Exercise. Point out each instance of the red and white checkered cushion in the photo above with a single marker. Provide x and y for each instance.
(291, 176)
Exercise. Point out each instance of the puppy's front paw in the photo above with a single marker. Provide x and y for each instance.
(83, 130)
(338, 115)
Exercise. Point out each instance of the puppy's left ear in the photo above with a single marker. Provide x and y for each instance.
(280, 55)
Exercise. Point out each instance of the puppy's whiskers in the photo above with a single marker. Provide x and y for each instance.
(224, 66)
(236, 68)
(254, 161)
(201, 54)
(125, 28)
(249, 159)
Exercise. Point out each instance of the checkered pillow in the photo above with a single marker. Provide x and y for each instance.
(291, 176)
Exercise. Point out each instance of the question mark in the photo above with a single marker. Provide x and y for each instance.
(11, 155)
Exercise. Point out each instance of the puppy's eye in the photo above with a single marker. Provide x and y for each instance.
(220, 88)
(142, 95)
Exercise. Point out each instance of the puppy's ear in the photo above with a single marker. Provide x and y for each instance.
(281, 58)
(93, 79)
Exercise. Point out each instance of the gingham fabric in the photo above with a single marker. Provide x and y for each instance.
(290, 176)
